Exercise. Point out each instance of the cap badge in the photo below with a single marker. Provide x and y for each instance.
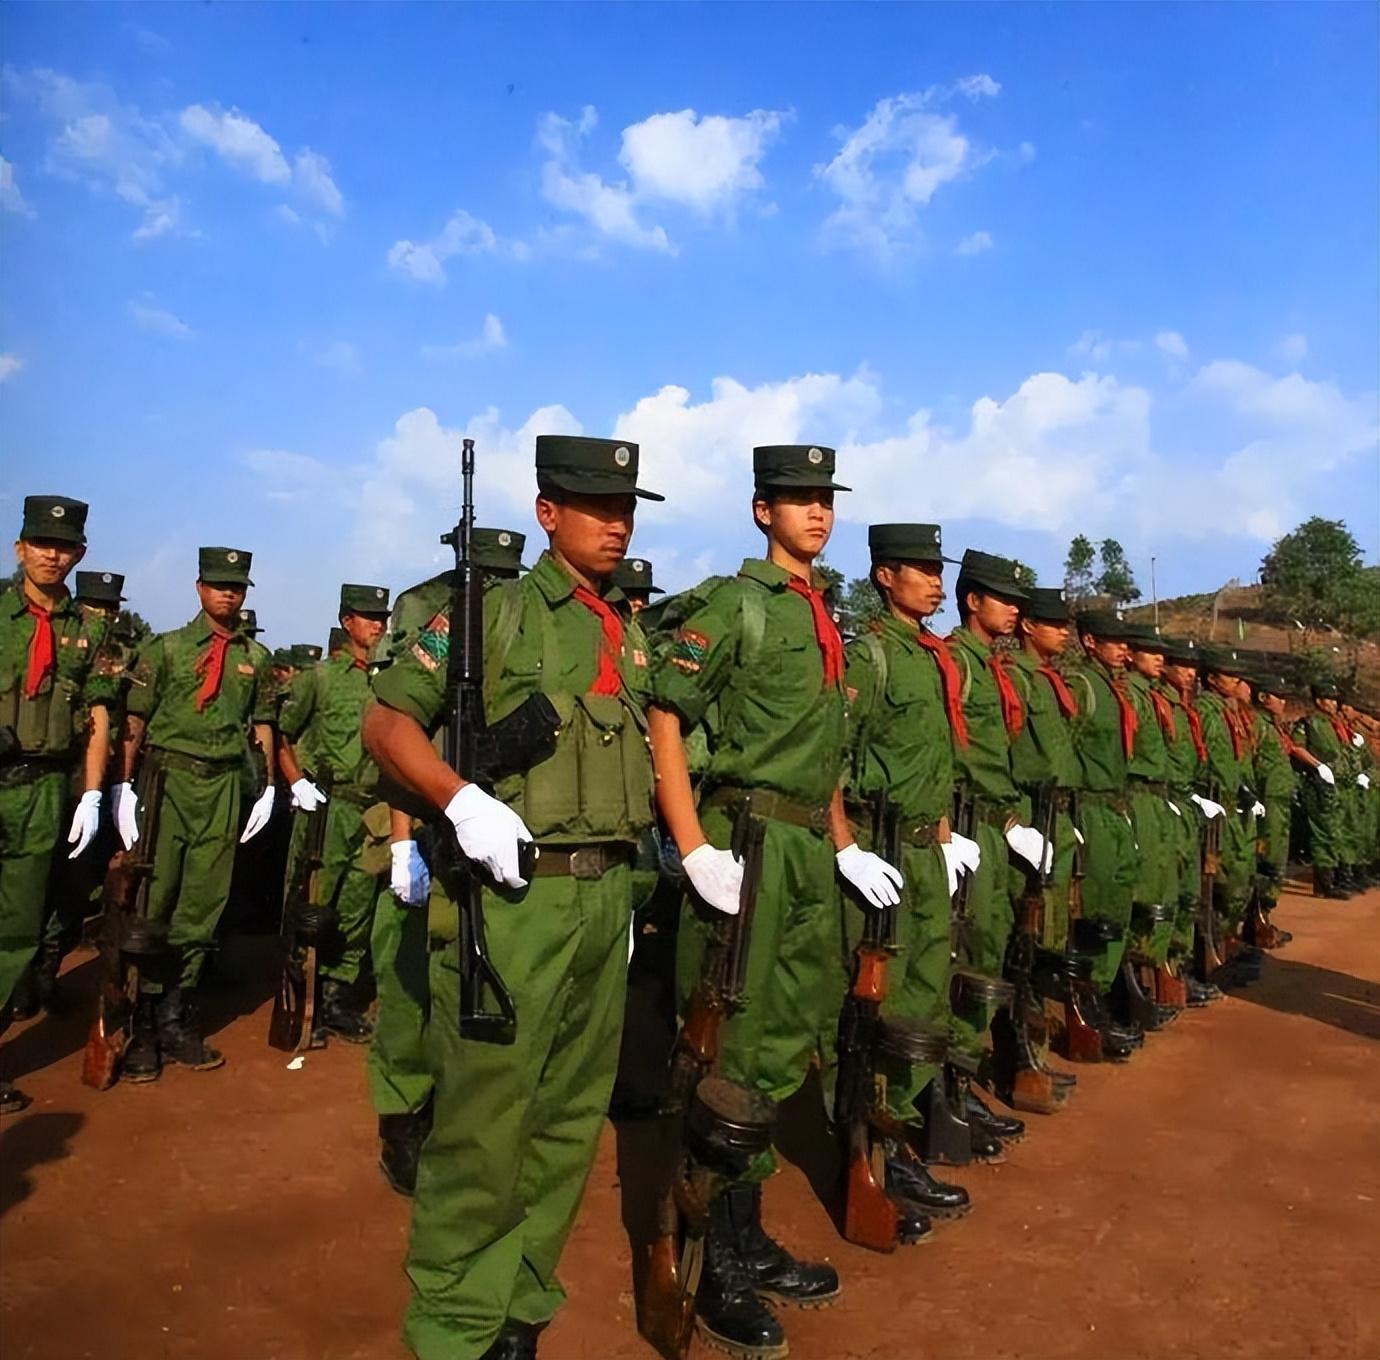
(105, 576)
(378, 593)
(504, 539)
(1063, 597)
(639, 566)
(58, 511)
(816, 456)
(232, 557)
(1120, 617)
(622, 455)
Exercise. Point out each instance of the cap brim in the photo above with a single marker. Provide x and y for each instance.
(797, 484)
(1005, 590)
(225, 581)
(594, 484)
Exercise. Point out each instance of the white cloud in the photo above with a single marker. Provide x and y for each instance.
(311, 178)
(463, 234)
(705, 163)
(10, 364)
(340, 355)
(491, 337)
(149, 317)
(1172, 344)
(980, 86)
(975, 244)
(1293, 349)
(239, 141)
(11, 200)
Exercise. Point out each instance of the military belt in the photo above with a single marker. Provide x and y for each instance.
(918, 832)
(582, 861)
(1155, 786)
(992, 814)
(775, 807)
(30, 769)
(1118, 802)
(197, 765)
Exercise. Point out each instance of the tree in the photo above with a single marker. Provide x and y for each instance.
(861, 605)
(1078, 568)
(1314, 576)
(1116, 580)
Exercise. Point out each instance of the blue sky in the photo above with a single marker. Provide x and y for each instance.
(1035, 270)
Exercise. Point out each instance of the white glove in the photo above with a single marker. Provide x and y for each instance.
(1258, 808)
(488, 832)
(954, 865)
(1325, 774)
(1362, 779)
(879, 883)
(969, 851)
(126, 814)
(1031, 847)
(409, 878)
(1208, 807)
(1079, 836)
(86, 819)
(259, 815)
(306, 795)
(717, 876)
(1357, 740)
(1173, 807)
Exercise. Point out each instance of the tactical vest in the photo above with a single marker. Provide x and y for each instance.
(50, 723)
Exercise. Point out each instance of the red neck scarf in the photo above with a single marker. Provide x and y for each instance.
(1195, 725)
(1236, 727)
(42, 650)
(1291, 747)
(1129, 721)
(1068, 705)
(1165, 714)
(211, 667)
(951, 681)
(1012, 710)
(608, 680)
(1338, 726)
(826, 632)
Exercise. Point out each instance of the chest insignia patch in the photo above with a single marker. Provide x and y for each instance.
(244, 668)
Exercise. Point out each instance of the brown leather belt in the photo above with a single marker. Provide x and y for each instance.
(197, 765)
(775, 807)
(1118, 802)
(582, 861)
(919, 833)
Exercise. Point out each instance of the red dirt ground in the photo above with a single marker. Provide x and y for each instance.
(1218, 1197)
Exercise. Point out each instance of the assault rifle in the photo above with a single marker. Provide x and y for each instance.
(127, 935)
(1082, 1038)
(1209, 954)
(716, 1123)
(305, 922)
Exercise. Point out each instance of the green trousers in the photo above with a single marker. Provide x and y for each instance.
(1055, 934)
(984, 931)
(345, 883)
(399, 1078)
(1109, 879)
(1272, 844)
(516, 1126)
(198, 829)
(1232, 891)
(30, 824)
(1158, 857)
(1322, 806)
(75, 885)
(1188, 846)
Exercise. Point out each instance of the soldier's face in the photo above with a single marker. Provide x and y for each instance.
(364, 630)
(1181, 677)
(222, 601)
(996, 616)
(47, 561)
(800, 519)
(1048, 639)
(1327, 705)
(1111, 652)
(1272, 703)
(591, 533)
(637, 600)
(1228, 686)
(1148, 664)
(915, 588)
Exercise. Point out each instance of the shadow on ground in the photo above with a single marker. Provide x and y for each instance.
(1321, 994)
(25, 1143)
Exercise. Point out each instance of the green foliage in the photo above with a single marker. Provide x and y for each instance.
(861, 605)
(1116, 579)
(1314, 576)
(1078, 568)
(133, 626)
(1025, 576)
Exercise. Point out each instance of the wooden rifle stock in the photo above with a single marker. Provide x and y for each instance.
(1210, 956)
(1082, 1039)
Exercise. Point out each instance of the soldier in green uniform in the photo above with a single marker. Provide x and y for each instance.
(990, 805)
(757, 662)
(319, 723)
(1353, 788)
(1104, 734)
(634, 579)
(516, 1125)
(337, 641)
(906, 715)
(192, 692)
(399, 1078)
(52, 669)
(1367, 863)
(1324, 735)
(305, 655)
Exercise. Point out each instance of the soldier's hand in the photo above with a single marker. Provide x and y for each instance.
(1209, 808)
(126, 805)
(954, 867)
(306, 795)
(1031, 847)
(489, 832)
(1326, 775)
(1358, 741)
(410, 879)
(1363, 780)
(716, 876)
(969, 852)
(878, 882)
(86, 820)
(259, 815)
(1258, 808)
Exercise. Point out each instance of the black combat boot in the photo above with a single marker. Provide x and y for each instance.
(515, 1341)
(909, 1179)
(729, 1313)
(179, 1039)
(341, 1014)
(400, 1147)
(24, 994)
(12, 1099)
(1118, 1041)
(46, 966)
(1201, 993)
(1006, 1128)
(773, 1270)
(1325, 884)
(142, 1061)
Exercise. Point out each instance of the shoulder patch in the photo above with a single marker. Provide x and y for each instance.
(689, 650)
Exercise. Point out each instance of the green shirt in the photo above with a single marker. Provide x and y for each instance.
(1181, 755)
(1043, 752)
(772, 722)
(164, 682)
(1227, 771)
(1317, 734)
(1274, 771)
(985, 762)
(900, 728)
(1097, 739)
(321, 717)
(83, 676)
(1150, 759)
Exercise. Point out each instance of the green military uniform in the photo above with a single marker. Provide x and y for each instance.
(902, 746)
(1354, 820)
(305, 655)
(321, 717)
(1324, 736)
(633, 576)
(202, 752)
(1230, 776)
(1276, 784)
(983, 767)
(41, 733)
(1100, 738)
(399, 1078)
(1184, 772)
(516, 1126)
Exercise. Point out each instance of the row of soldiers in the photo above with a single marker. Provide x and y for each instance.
(1055, 831)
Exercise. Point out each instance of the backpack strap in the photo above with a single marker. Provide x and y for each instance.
(508, 603)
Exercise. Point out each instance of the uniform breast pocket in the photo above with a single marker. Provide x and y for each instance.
(904, 687)
(790, 664)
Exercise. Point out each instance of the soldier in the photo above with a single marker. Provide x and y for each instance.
(52, 668)
(516, 1126)
(1367, 770)
(284, 668)
(1104, 736)
(305, 655)
(906, 715)
(1325, 735)
(337, 641)
(319, 723)
(399, 1078)
(634, 579)
(192, 693)
(989, 599)
(758, 662)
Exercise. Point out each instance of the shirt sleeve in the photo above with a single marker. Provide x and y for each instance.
(415, 683)
(101, 688)
(695, 664)
(146, 679)
(295, 710)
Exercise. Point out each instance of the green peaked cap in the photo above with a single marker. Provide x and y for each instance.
(635, 573)
(590, 467)
(795, 465)
(1146, 637)
(101, 587)
(1220, 660)
(1104, 623)
(1047, 604)
(249, 622)
(1181, 651)
(282, 656)
(356, 599)
(224, 566)
(990, 573)
(335, 640)
(498, 550)
(54, 517)
(305, 654)
(906, 543)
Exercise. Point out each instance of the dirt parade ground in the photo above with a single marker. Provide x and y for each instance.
(1218, 1197)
